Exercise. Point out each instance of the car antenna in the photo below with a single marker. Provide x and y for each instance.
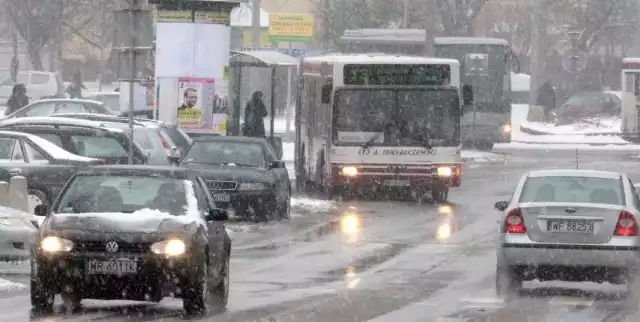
(577, 161)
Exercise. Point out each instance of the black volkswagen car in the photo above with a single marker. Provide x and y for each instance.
(136, 233)
(46, 166)
(243, 174)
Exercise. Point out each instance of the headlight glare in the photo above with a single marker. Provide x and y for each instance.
(506, 128)
(445, 171)
(171, 247)
(252, 186)
(54, 244)
(349, 171)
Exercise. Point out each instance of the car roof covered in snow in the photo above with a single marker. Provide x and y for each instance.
(223, 138)
(48, 120)
(575, 173)
(139, 170)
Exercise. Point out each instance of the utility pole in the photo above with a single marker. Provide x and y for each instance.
(15, 61)
(537, 43)
(405, 14)
(255, 24)
(132, 44)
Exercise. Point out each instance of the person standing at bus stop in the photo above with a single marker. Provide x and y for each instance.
(254, 114)
(546, 98)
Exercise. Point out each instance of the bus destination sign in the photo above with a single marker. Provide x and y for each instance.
(397, 74)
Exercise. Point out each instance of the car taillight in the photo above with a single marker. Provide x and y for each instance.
(514, 222)
(626, 225)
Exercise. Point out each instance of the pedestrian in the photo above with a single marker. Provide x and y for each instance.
(75, 88)
(18, 99)
(254, 114)
(546, 98)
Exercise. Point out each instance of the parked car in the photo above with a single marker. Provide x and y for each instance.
(46, 166)
(80, 137)
(147, 113)
(18, 231)
(110, 99)
(156, 144)
(197, 134)
(39, 84)
(243, 174)
(107, 216)
(48, 107)
(587, 105)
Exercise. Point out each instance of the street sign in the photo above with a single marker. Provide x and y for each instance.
(574, 60)
(291, 27)
(143, 36)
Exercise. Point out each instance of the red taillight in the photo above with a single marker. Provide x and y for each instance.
(626, 225)
(164, 142)
(514, 222)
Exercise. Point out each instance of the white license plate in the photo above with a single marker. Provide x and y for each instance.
(221, 197)
(570, 226)
(397, 183)
(117, 267)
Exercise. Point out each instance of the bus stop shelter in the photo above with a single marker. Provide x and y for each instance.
(268, 71)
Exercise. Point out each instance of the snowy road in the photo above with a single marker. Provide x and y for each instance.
(374, 261)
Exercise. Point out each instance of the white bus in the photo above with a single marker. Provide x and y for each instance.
(630, 97)
(371, 123)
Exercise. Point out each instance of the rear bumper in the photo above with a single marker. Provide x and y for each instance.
(569, 255)
(247, 204)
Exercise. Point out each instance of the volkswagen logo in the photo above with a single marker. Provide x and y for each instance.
(112, 247)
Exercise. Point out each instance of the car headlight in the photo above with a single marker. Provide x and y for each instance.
(506, 128)
(171, 247)
(445, 171)
(54, 244)
(252, 186)
(349, 171)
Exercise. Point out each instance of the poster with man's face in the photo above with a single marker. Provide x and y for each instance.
(195, 103)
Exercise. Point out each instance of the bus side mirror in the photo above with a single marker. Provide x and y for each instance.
(467, 94)
(326, 93)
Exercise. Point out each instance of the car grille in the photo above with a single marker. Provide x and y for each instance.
(100, 247)
(222, 185)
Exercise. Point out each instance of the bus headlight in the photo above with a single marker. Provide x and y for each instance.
(445, 171)
(506, 128)
(349, 171)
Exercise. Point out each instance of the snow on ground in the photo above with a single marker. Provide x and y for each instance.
(500, 147)
(589, 126)
(7, 286)
(564, 139)
(481, 156)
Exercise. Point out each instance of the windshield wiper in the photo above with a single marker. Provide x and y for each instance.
(425, 141)
(367, 144)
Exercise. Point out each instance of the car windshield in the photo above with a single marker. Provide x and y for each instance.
(226, 153)
(573, 189)
(398, 117)
(585, 100)
(120, 193)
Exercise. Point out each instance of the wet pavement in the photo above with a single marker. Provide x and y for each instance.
(374, 261)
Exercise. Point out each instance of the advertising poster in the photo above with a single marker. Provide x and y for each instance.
(221, 104)
(195, 102)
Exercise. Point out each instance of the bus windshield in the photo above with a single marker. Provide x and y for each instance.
(401, 117)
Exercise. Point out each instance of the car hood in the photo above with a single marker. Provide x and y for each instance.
(137, 222)
(230, 173)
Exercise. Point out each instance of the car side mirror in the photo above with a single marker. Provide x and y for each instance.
(277, 165)
(217, 214)
(501, 205)
(41, 210)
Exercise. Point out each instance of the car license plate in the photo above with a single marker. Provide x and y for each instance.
(221, 197)
(117, 267)
(577, 226)
(397, 183)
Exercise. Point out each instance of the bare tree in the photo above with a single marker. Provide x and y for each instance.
(457, 16)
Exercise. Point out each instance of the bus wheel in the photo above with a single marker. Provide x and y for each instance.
(440, 194)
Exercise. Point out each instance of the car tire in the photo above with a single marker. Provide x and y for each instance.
(42, 294)
(220, 293)
(201, 298)
(508, 282)
(284, 211)
(37, 197)
(71, 298)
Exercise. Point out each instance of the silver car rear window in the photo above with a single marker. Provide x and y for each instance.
(573, 189)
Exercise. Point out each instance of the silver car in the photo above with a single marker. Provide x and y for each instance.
(17, 233)
(569, 225)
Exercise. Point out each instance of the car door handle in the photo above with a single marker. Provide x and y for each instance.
(15, 172)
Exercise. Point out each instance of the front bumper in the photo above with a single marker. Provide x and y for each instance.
(156, 276)
(246, 204)
(15, 242)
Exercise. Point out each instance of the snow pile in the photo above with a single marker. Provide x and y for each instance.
(471, 156)
(587, 126)
(6, 286)
(306, 205)
(568, 139)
